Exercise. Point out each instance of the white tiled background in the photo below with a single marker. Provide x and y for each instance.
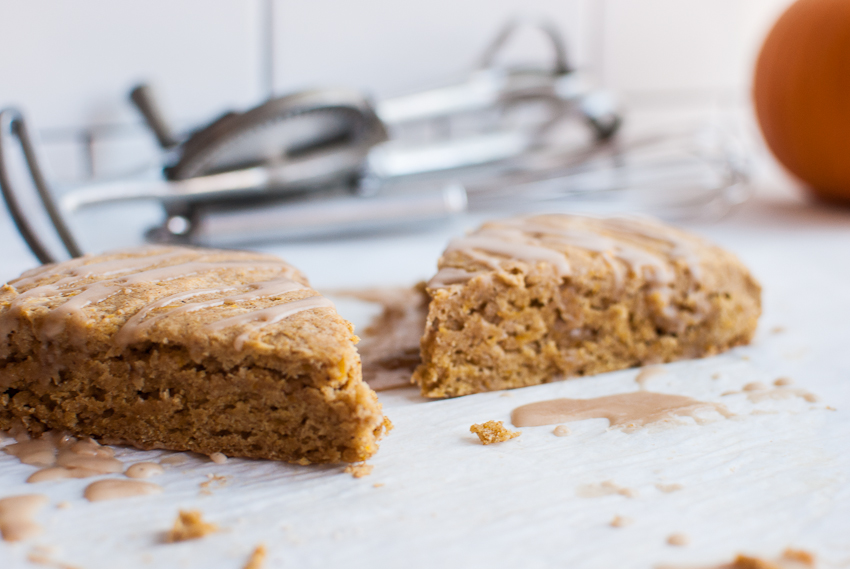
(69, 64)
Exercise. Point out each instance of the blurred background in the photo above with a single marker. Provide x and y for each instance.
(69, 65)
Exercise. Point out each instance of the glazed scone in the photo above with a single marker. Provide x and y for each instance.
(185, 349)
(533, 299)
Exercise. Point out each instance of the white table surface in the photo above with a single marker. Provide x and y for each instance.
(756, 482)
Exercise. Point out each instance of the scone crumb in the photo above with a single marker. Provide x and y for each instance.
(212, 479)
(377, 484)
(218, 457)
(799, 556)
(493, 432)
(257, 559)
(387, 425)
(790, 558)
(189, 525)
(42, 559)
(746, 562)
(63, 505)
(43, 555)
(678, 539)
(359, 470)
(621, 522)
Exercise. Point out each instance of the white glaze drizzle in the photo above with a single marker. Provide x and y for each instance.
(509, 243)
(259, 319)
(125, 273)
(450, 275)
(135, 326)
(536, 238)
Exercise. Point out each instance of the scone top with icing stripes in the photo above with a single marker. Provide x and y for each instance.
(156, 293)
(618, 252)
(625, 244)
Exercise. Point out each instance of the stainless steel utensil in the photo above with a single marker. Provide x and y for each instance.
(327, 162)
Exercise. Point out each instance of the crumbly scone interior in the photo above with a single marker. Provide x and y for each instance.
(189, 350)
(530, 300)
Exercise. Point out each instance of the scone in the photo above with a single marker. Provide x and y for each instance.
(185, 349)
(533, 299)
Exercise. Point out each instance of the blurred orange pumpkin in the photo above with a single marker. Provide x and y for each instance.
(802, 94)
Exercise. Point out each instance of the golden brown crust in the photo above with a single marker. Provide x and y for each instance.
(581, 296)
(167, 375)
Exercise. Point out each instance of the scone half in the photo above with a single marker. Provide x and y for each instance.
(185, 349)
(529, 300)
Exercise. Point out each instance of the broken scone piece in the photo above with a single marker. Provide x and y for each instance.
(493, 432)
(185, 349)
(529, 300)
(189, 525)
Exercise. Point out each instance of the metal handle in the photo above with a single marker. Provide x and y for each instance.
(12, 123)
(143, 97)
(222, 225)
(562, 67)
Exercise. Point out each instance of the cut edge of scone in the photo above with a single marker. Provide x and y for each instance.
(186, 349)
(535, 299)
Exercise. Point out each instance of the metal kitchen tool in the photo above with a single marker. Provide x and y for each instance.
(322, 162)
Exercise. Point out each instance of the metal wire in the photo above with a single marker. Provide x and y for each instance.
(12, 123)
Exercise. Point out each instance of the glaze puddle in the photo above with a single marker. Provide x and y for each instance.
(626, 411)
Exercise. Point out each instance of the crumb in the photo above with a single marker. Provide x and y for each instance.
(63, 505)
(39, 558)
(493, 432)
(715, 376)
(606, 488)
(43, 559)
(790, 558)
(218, 458)
(777, 329)
(561, 431)
(43, 555)
(783, 381)
(213, 479)
(830, 408)
(377, 484)
(43, 550)
(387, 424)
(799, 556)
(621, 521)
(189, 525)
(746, 562)
(257, 559)
(359, 470)
(506, 394)
(669, 487)
(678, 539)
